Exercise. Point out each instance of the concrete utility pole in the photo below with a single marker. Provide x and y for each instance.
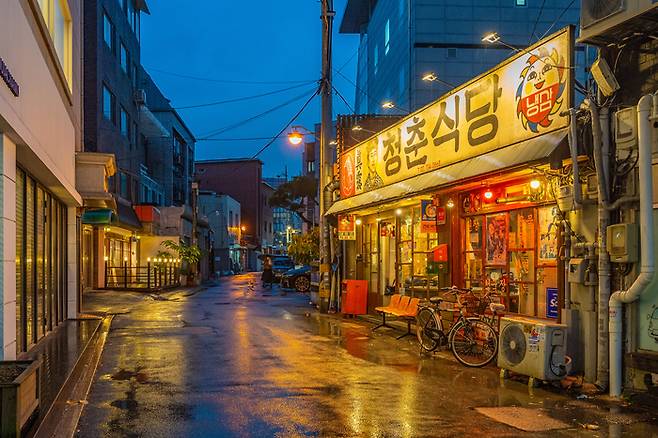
(326, 174)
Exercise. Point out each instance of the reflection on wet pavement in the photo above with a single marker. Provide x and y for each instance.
(231, 361)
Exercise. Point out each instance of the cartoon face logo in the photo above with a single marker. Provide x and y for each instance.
(539, 95)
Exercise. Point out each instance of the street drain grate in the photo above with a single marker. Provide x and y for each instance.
(526, 419)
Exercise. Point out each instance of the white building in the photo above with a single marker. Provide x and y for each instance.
(40, 114)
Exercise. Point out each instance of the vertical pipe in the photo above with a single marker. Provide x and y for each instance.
(647, 268)
(604, 257)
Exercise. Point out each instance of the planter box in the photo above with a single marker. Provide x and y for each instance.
(20, 392)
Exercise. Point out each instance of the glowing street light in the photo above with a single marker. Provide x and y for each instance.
(295, 138)
(491, 38)
(535, 184)
(357, 128)
(388, 105)
(430, 77)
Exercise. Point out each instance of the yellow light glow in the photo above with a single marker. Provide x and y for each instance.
(450, 203)
(125, 259)
(357, 128)
(398, 211)
(358, 221)
(106, 258)
(388, 105)
(535, 184)
(429, 77)
(295, 138)
(148, 259)
(492, 37)
(488, 194)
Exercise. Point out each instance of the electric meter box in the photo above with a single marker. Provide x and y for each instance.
(622, 243)
(577, 269)
(625, 128)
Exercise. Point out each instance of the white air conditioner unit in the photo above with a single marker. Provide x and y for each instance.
(532, 347)
(139, 96)
(604, 22)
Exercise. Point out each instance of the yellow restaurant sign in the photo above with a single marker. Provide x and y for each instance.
(521, 98)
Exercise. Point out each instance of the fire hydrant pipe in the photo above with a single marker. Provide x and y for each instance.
(647, 269)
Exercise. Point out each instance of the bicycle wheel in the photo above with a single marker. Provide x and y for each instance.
(474, 342)
(428, 329)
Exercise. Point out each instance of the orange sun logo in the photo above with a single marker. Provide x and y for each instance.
(539, 95)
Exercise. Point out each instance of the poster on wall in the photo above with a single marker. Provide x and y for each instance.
(431, 216)
(346, 227)
(522, 98)
(496, 239)
(552, 307)
(548, 229)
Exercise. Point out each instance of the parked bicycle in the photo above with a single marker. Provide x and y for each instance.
(472, 340)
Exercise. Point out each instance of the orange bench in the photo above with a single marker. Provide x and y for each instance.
(402, 307)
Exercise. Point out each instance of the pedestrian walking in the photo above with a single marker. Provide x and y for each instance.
(268, 275)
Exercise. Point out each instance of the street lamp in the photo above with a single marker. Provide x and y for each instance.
(431, 77)
(295, 138)
(491, 38)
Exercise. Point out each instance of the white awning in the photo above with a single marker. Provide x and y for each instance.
(525, 152)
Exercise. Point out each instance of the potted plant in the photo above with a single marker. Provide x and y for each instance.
(189, 255)
(20, 392)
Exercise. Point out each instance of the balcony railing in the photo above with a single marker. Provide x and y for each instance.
(151, 277)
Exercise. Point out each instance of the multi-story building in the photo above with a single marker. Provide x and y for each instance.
(223, 213)
(285, 223)
(169, 158)
(40, 132)
(241, 179)
(402, 41)
(267, 236)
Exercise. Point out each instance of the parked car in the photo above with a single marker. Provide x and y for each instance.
(297, 278)
(280, 265)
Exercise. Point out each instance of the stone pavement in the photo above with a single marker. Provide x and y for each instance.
(236, 360)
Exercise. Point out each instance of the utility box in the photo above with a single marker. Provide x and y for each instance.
(354, 299)
(577, 269)
(622, 243)
(625, 128)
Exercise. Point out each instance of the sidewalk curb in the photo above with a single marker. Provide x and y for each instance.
(62, 417)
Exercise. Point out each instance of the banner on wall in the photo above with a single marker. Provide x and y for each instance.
(552, 304)
(521, 98)
(431, 216)
(346, 227)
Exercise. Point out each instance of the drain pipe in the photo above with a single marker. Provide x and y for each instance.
(647, 269)
(572, 135)
(603, 131)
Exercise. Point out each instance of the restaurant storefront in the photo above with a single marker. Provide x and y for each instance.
(463, 191)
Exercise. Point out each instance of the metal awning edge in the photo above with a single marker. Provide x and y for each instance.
(523, 152)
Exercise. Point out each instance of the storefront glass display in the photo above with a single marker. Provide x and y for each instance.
(40, 261)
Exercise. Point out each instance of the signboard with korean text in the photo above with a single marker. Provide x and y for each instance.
(521, 98)
(346, 227)
(431, 216)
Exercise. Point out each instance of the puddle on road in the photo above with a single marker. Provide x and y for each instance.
(124, 374)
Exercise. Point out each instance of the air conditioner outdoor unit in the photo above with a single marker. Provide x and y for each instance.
(532, 347)
(604, 22)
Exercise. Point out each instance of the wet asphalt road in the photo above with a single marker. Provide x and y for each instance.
(235, 360)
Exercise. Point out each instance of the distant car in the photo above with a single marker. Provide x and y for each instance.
(297, 278)
(280, 265)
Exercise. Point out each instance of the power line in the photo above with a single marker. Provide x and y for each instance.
(534, 26)
(344, 100)
(557, 19)
(236, 139)
(290, 122)
(241, 99)
(244, 122)
(226, 81)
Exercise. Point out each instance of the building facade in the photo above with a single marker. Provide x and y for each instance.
(40, 132)
(401, 41)
(285, 222)
(223, 214)
(241, 179)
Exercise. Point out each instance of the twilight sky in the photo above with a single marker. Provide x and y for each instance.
(247, 48)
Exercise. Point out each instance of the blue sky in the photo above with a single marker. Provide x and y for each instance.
(251, 41)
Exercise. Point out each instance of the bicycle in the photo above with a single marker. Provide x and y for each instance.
(472, 340)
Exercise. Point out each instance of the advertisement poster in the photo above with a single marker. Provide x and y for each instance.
(496, 239)
(431, 216)
(346, 227)
(522, 98)
(548, 230)
(552, 307)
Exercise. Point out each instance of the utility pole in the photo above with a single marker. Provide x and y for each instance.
(326, 176)
(195, 194)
